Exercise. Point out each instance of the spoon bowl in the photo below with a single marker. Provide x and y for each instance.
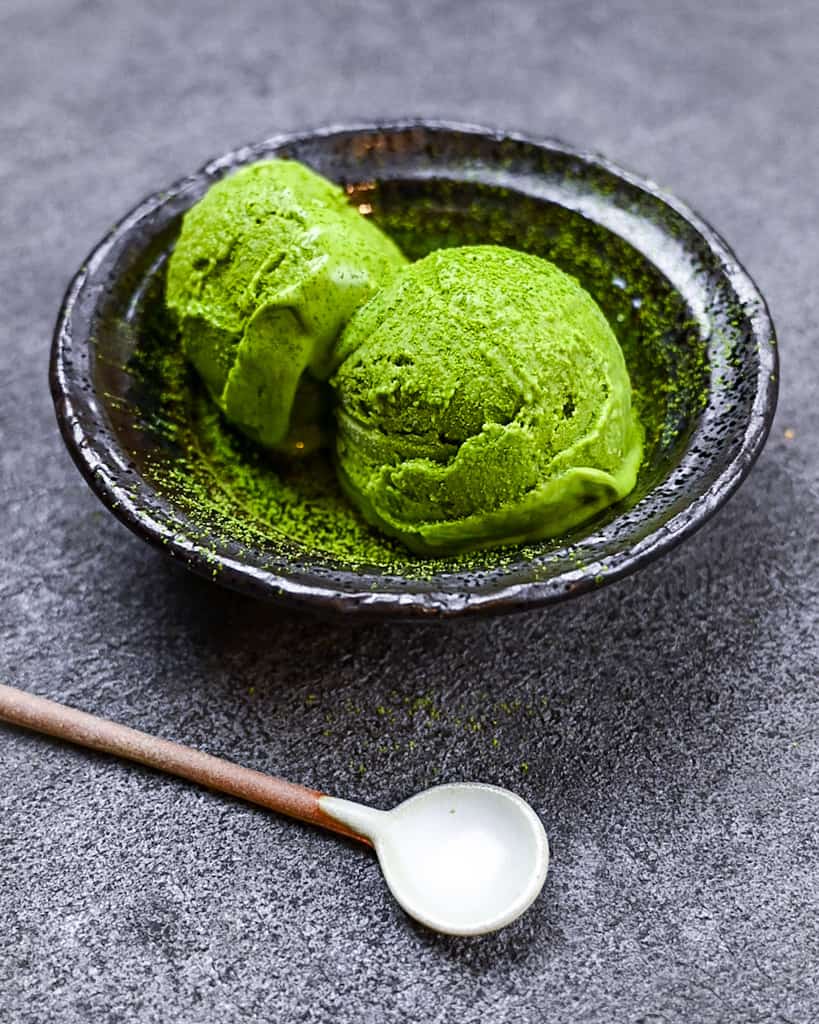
(464, 858)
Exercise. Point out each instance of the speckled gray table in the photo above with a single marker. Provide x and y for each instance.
(667, 728)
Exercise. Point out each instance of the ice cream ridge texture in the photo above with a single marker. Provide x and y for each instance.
(482, 399)
(269, 266)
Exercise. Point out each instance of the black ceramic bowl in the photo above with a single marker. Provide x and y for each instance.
(694, 328)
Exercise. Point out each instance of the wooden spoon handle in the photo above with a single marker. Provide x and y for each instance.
(47, 716)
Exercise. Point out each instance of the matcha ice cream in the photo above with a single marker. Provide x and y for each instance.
(269, 266)
(482, 399)
(481, 396)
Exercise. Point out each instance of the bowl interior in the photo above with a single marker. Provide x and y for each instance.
(183, 478)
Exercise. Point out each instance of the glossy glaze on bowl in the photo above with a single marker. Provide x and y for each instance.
(695, 330)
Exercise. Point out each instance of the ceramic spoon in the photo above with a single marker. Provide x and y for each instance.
(463, 858)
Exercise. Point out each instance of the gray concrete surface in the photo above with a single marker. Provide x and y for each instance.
(667, 729)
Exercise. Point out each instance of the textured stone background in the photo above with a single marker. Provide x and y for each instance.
(666, 728)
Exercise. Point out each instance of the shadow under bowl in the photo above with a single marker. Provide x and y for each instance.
(694, 329)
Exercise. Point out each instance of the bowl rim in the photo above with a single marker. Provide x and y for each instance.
(75, 404)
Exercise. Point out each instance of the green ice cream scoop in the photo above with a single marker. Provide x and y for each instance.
(482, 399)
(269, 266)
